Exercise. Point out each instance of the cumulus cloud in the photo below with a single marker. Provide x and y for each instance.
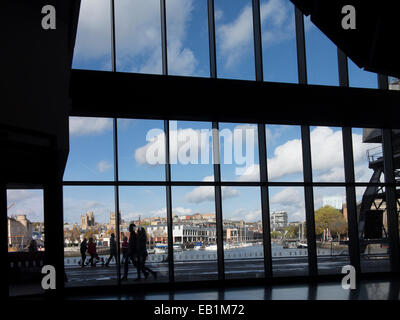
(103, 166)
(207, 193)
(291, 200)
(81, 126)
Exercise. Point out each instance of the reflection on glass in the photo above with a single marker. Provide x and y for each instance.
(239, 152)
(327, 154)
(322, 67)
(360, 78)
(372, 228)
(93, 46)
(394, 83)
(331, 231)
(187, 29)
(279, 41)
(368, 156)
(144, 207)
(138, 36)
(141, 150)
(25, 226)
(242, 232)
(89, 213)
(194, 233)
(91, 150)
(234, 39)
(288, 231)
(191, 151)
(284, 153)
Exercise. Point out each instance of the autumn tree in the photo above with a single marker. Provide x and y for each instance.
(331, 218)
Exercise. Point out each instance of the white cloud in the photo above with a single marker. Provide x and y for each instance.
(80, 126)
(251, 173)
(207, 193)
(291, 200)
(180, 211)
(27, 202)
(103, 166)
(235, 37)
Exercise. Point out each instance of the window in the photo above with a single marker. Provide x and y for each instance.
(361, 78)
(26, 235)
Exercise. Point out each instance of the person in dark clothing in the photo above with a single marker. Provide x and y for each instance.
(124, 249)
(83, 251)
(32, 246)
(93, 252)
(131, 254)
(113, 249)
(141, 252)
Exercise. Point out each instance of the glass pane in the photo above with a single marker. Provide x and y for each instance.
(243, 237)
(141, 150)
(279, 41)
(322, 67)
(367, 153)
(372, 229)
(138, 36)
(145, 207)
(91, 150)
(331, 230)
(187, 29)
(327, 154)
(194, 233)
(93, 38)
(234, 39)
(191, 151)
(394, 83)
(360, 78)
(284, 153)
(25, 241)
(288, 231)
(89, 213)
(239, 152)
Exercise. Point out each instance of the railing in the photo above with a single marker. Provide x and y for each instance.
(374, 154)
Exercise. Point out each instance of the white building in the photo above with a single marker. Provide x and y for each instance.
(279, 219)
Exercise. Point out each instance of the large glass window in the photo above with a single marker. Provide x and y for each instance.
(322, 66)
(194, 233)
(138, 36)
(25, 226)
(93, 38)
(187, 40)
(234, 39)
(141, 150)
(288, 231)
(284, 153)
(89, 213)
(327, 154)
(361, 78)
(279, 41)
(91, 150)
(145, 207)
(330, 214)
(242, 232)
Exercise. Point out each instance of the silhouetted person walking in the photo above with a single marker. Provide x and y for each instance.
(141, 241)
(113, 249)
(32, 246)
(124, 249)
(84, 247)
(131, 254)
(93, 252)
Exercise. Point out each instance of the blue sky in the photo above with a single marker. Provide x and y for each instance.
(139, 50)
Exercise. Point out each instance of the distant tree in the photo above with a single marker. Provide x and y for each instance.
(275, 234)
(331, 218)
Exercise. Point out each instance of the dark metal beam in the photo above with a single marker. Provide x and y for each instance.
(169, 204)
(262, 149)
(211, 39)
(343, 68)
(163, 14)
(218, 201)
(309, 201)
(4, 240)
(354, 246)
(391, 203)
(383, 82)
(258, 57)
(301, 46)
